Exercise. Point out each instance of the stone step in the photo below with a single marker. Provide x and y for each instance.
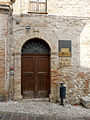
(36, 100)
(85, 101)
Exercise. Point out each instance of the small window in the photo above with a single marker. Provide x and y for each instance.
(38, 6)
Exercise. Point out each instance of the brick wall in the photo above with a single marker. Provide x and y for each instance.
(4, 51)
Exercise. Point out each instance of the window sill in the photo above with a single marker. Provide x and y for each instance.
(38, 12)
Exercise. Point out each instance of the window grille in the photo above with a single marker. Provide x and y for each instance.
(38, 6)
(35, 46)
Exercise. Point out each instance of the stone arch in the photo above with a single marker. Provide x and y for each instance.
(49, 39)
(20, 43)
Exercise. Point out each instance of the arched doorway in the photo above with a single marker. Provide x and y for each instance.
(35, 72)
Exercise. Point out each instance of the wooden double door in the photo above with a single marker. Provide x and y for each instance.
(35, 77)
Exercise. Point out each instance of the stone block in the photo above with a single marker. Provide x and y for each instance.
(85, 101)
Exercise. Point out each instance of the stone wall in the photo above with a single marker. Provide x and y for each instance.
(51, 29)
(69, 7)
(79, 8)
(4, 50)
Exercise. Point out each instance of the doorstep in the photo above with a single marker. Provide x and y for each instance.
(36, 99)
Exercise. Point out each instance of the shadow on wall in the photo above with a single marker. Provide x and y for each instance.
(85, 47)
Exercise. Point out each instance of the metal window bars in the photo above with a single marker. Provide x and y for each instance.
(38, 6)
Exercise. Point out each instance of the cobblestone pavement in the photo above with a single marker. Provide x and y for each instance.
(19, 116)
(19, 110)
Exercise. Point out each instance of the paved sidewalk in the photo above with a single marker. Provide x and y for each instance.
(28, 110)
(19, 116)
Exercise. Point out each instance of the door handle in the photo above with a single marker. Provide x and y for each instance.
(28, 72)
(42, 72)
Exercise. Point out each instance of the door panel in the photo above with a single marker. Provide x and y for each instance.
(43, 76)
(35, 76)
(28, 73)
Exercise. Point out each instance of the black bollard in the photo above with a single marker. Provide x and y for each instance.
(62, 93)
